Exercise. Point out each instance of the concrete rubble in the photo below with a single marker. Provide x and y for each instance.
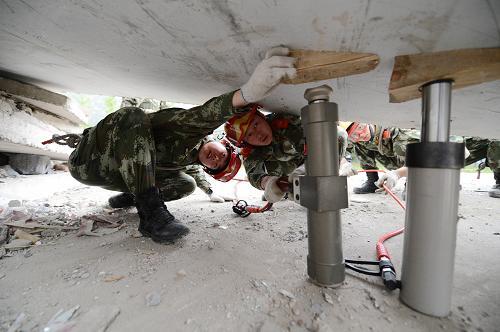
(249, 276)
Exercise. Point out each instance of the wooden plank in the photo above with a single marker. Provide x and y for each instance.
(315, 66)
(465, 67)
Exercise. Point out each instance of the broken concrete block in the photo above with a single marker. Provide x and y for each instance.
(30, 163)
(7, 171)
(18, 244)
(98, 318)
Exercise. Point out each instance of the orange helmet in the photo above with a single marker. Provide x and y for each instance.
(226, 173)
(237, 126)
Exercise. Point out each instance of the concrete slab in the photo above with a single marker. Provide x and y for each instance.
(22, 130)
(190, 51)
(49, 101)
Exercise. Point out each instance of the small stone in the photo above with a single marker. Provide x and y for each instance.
(85, 275)
(328, 298)
(153, 299)
(14, 203)
(181, 273)
(286, 293)
(18, 244)
(28, 253)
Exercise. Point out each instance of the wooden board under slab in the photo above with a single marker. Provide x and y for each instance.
(315, 66)
(465, 67)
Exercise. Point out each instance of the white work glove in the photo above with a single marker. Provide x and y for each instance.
(346, 169)
(466, 153)
(216, 198)
(390, 179)
(299, 171)
(272, 191)
(268, 74)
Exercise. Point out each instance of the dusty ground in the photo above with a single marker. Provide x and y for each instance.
(229, 273)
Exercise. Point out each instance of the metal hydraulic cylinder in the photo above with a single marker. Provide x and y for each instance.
(432, 207)
(322, 191)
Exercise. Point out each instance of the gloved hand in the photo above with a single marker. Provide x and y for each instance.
(272, 191)
(466, 153)
(268, 74)
(346, 169)
(216, 198)
(390, 179)
(301, 170)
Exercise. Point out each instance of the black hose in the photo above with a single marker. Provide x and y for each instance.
(362, 270)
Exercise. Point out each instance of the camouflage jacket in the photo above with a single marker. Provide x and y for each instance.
(285, 153)
(178, 133)
(394, 143)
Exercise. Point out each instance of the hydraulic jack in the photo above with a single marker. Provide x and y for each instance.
(432, 207)
(322, 191)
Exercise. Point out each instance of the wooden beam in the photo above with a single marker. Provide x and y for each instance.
(315, 66)
(465, 67)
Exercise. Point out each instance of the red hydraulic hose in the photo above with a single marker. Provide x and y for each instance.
(381, 249)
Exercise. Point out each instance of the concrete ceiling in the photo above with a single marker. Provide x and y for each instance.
(190, 50)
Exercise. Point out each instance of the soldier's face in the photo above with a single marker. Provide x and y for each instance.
(361, 133)
(213, 155)
(259, 132)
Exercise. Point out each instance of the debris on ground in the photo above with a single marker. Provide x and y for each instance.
(18, 244)
(86, 226)
(286, 293)
(20, 234)
(61, 320)
(97, 319)
(153, 299)
(113, 278)
(17, 324)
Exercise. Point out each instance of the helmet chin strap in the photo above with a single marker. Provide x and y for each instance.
(372, 132)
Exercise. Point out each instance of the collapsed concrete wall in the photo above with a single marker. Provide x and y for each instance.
(23, 128)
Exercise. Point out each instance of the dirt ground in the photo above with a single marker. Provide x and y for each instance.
(229, 273)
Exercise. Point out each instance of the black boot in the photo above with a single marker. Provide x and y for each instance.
(495, 191)
(369, 186)
(155, 220)
(122, 200)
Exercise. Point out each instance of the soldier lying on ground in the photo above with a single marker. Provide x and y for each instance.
(273, 147)
(125, 149)
(478, 149)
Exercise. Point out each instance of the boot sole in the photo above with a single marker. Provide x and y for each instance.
(163, 240)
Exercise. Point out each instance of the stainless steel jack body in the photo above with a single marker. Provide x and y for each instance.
(322, 191)
(432, 207)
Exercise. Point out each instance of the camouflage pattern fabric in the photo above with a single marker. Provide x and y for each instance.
(390, 152)
(481, 148)
(198, 174)
(144, 103)
(123, 151)
(117, 154)
(178, 184)
(285, 153)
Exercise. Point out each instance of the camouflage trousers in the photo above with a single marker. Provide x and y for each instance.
(178, 184)
(118, 154)
(368, 158)
(480, 148)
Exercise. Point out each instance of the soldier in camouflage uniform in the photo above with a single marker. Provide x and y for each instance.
(479, 149)
(125, 149)
(273, 147)
(374, 143)
(174, 186)
(476, 149)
